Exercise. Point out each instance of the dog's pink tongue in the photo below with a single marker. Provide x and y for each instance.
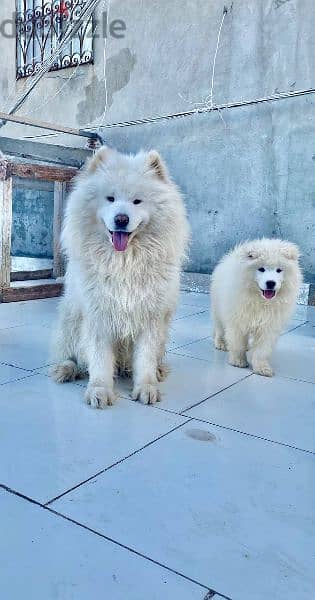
(269, 294)
(120, 240)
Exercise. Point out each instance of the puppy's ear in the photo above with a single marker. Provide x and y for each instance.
(252, 254)
(99, 158)
(290, 251)
(155, 164)
(249, 252)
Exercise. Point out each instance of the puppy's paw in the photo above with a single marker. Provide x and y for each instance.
(146, 393)
(219, 344)
(100, 397)
(263, 368)
(238, 361)
(162, 372)
(65, 371)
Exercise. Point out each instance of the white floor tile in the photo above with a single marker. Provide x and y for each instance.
(33, 312)
(45, 557)
(50, 440)
(271, 408)
(187, 330)
(311, 314)
(195, 299)
(230, 511)
(27, 346)
(227, 509)
(294, 355)
(301, 312)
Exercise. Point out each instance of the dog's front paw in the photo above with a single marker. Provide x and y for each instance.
(220, 344)
(99, 396)
(263, 368)
(146, 393)
(162, 372)
(238, 361)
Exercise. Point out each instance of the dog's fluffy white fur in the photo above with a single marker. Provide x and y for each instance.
(253, 294)
(119, 298)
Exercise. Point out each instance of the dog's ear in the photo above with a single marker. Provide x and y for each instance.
(249, 252)
(155, 164)
(99, 158)
(290, 251)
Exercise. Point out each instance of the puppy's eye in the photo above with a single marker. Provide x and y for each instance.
(137, 201)
(279, 270)
(110, 198)
(262, 270)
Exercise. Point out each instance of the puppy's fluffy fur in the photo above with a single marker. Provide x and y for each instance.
(122, 280)
(253, 294)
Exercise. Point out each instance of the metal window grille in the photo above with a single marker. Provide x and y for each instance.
(39, 28)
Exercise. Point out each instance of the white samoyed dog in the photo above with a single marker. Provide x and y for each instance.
(125, 236)
(253, 294)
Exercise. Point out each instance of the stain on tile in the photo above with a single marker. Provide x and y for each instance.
(202, 435)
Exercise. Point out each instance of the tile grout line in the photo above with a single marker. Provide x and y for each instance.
(189, 343)
(293, 329)
(134, 551)
(217, 393)
(12, 327)
(120, 461)
(46, 325)
(194, 314)
(189, 355)
(20, 495)
(287, 378)
(111, 540)
(15, 367)
(5, 383)
(30, 373)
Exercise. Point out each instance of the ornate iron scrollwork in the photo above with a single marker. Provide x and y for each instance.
(39, 29)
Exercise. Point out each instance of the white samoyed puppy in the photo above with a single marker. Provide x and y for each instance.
(254, 290)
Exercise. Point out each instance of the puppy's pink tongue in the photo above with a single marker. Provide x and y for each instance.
(268, 294)
(120, 240)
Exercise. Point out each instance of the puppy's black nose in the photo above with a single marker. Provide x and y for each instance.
(270, 285)
(121, 220)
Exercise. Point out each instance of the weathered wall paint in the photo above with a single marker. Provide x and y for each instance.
(252, 174)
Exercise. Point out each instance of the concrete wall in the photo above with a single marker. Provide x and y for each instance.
(33, 213)
(253, 173)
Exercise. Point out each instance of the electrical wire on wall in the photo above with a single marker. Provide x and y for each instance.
(206, 106)
(202, 110)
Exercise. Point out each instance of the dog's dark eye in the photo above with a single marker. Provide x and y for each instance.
(110, 198)
(137, 201)
(262, 270)
(279, 270)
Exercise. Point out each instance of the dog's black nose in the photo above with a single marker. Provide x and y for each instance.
(270, 285)
(121, 220)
